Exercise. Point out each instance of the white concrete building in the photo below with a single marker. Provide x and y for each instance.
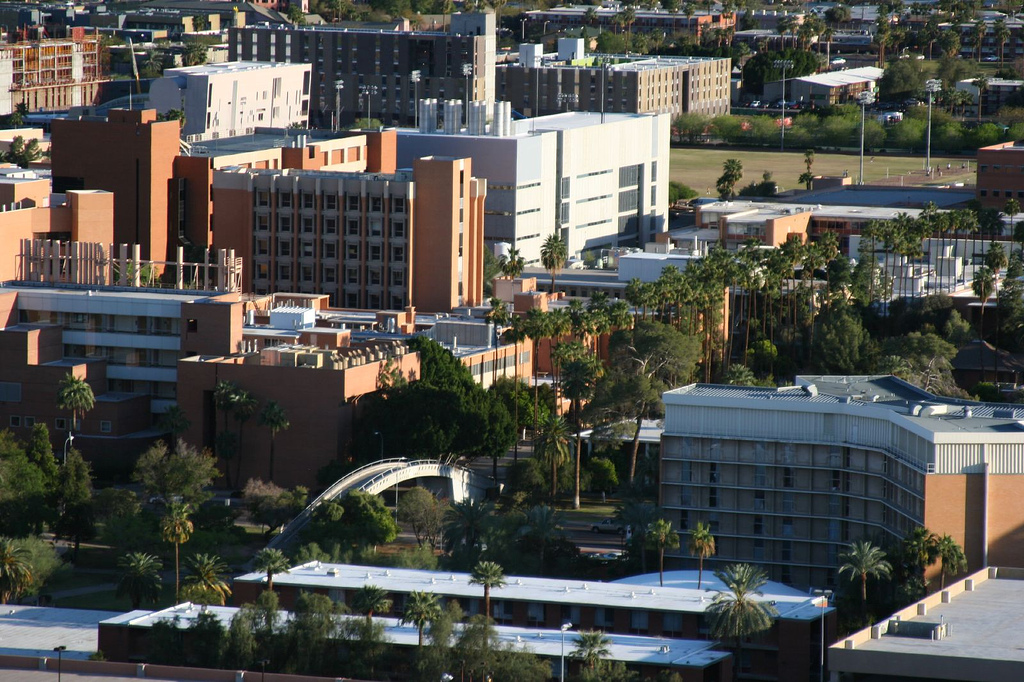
(234, 98)
(599, 185)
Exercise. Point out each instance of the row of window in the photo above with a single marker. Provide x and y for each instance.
(329, 225)
(59, 424)
(329, 202)
(1007, 193)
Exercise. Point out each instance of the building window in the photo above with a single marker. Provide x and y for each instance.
(284, 271)
(759, 499)
(713, 473)
(308, 248)
(308, 201)
(262, 198)
(760, 475)
(60, 423)
(787, 502)
(535, 613)
(284, 248)
(398, 228)
(15, 421)
(758, 525)
(284, 223)
(308, 225)
(638, 622)
(330, 226)
(376, 204)
(398, 254)
(10, 391)
(398, 204)
(330, 202)
(351, 275)
(787, 477)
(262, 223)
(787, 550)
(352, 202)
(376, 227)
(352, 227)
(30, 422)
(398, 277)
(330, 250)
(352, 251)
(375, 252)
(284, 199)
(306, 273)
(712, 497)
(758, 549)
(105, 427)
(787, 527)
(263, 247)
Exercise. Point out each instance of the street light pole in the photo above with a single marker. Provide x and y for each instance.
(70, 441)
(60, 650)
(826, 594)
(467, 71)
(932, 85)
(263, 669)
(368, 91)
(565, 626)
(415, 78)
(339, 85)
(865, 99)
(783, 64)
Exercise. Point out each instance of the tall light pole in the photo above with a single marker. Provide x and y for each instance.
(783, 64)
(339, 85)
(368, 91)
(60, 650)
(263, 669)
(70, 441)
(931, 86)
(467, 71)
(415, 78)
(826, 595)
(865, 98)
(565, 627)
(568, 98)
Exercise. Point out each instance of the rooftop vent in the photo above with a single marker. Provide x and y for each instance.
(334, 571)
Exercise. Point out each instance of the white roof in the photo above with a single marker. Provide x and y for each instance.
(837, 79)
(626, 648)
(684, 598)
(36, 630)
(229, 67)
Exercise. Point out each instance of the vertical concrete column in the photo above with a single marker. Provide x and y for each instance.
(137, 270)
(179, 263)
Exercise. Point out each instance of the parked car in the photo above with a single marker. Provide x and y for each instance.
(608, 526)
(838, 61)
(756, 104)
(990, 58)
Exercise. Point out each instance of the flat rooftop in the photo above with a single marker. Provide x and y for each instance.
(684, 597)
(836, 79)
(101, 292)
(228, 68)
(264, 139)
(36, 630)
(626, 648)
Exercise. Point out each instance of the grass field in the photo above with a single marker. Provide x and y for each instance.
(700, 168)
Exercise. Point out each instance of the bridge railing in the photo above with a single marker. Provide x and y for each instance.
(431, 464)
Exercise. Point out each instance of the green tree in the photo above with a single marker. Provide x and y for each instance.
(553, 255)
(21, 153)
(464, 524)
(591, 647)
(661, 536)
(420, 609)
(922, 548)
(951, 554)
(1011, 209)
(420, 509)
(512, 264)
(701, 544)
(15, 570)
(24, 507)
(204, 583)
(75, 395)
(39, 451)
(312, 634)
(732, 173)
(370, 599)
(245, 406)
(864, 560)
(275, 419)
(183, 474)
(176, 528)
(543, 526)
(841, 344)
(488, 575)
(255, 630)
(140, 578)
(551, 447)
(73, 501)
(636, 516)
(271, 562)
(207, 641)
(736, 614)
(195, 54)
(176, 422)
(983, 285)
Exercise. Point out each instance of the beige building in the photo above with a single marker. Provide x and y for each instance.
(49, 75)
(789, 477)
(234, 98)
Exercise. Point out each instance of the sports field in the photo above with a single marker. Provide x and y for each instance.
(700, 168)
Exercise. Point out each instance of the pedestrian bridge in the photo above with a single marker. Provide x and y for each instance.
(458, 484)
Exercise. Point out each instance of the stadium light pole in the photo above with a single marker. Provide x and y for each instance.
(865, 98)
(415, 78)
(931, 86)
(783, 64)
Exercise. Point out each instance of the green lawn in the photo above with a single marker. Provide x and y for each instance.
(109, 601)
(700, 168)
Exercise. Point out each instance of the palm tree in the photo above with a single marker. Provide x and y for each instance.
(420, 609)
(981, 83)
(140, 580)
(864, 560)
(464, 523)
(15, 570)
(1002, 35)
(661, 536)
(488, 574)
(177, 528)
(637, 517)
(512, 264)
(205, 583)
(701, 545)
(245, 407)
(1011, 209)
(274, 418)
(552, 447)
(922, 546)
(737, 614)
(225, 394)
(591, 647)
(983, 285)
(578, 379)
(543, 525)
(271, 562)
(553, 255)
(516, 334)
(75, 395)
(952, 557)
(175, 422)
(370, 599)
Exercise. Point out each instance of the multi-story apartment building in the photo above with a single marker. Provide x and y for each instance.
(379, 74)
(51, 74)
(234, 98)
(788, 477)
(645, 21)
(368, 240)
(998, 93)
(597, 181)
(615, 83)
(1000, 174)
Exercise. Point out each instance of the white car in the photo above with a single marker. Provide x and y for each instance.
(838, 61)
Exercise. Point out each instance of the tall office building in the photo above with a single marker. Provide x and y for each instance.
(370, 73)
(789, 477)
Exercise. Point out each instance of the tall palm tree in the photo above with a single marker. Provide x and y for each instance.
(176, 528)
(591, 647)
(1002, 35)
(140, 578)
(553, 255)
(922, 546)
(516, 334)
(245, 407)
(15, 570)
(371, 599)
(952, 557)
(543, 525)
(274, 418)
(271, 562)
(225, 394)
(701, 544)
(1011, 209)
(512, 264)
(983, 285)
(76, 395)
(488, 574)
(736, 613)
(579, 377)
(205, 583)
(864, 560)
(176, 422)
(465, 522)
(420, 609)
(636, 517)
(661, 536)
(552, 447)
